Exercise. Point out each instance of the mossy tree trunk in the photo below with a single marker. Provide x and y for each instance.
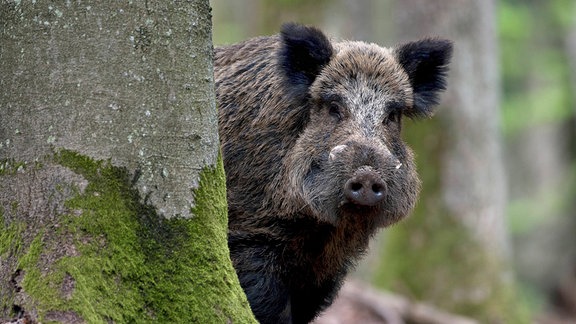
(454, 251)
(112, 192)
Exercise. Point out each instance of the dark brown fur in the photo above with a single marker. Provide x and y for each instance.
(301, 120)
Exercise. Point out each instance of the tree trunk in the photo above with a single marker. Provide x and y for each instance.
(453, 250)
(112, 192)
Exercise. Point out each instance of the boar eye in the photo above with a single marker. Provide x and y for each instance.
(395, 109)
(393, 118)
(335, 110)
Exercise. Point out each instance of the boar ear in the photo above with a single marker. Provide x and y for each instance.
(426, 63)
(304, 51)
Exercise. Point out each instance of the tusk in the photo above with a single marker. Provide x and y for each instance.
(336, 150)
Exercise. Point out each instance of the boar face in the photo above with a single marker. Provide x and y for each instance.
(350, 160)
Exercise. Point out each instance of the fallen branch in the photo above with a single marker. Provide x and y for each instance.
(358, 303)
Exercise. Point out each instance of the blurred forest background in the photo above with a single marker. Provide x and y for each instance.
(494, 235)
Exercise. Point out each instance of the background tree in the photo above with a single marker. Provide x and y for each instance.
(112, 192)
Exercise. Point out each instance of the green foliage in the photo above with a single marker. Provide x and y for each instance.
(548, 102)
(537, 91)
(513, 22)
(130, 264)
(534, 68)
(530, 213)
(563, 12)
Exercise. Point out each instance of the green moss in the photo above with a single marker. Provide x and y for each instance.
(9, 166)
(132, 265)
(10, 242)
(203, 264)
(10, 245)
(34, 282)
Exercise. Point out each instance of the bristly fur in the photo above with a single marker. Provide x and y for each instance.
(299, 118)
(426, 63)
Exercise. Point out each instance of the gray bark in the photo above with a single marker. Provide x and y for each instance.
(121, 82)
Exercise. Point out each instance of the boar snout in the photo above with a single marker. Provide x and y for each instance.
(365, 187)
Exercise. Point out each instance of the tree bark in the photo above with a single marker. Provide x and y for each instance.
(454, 249)
(112, 191)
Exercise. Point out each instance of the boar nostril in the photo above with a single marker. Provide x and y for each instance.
(365, 188)
(356, 186)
